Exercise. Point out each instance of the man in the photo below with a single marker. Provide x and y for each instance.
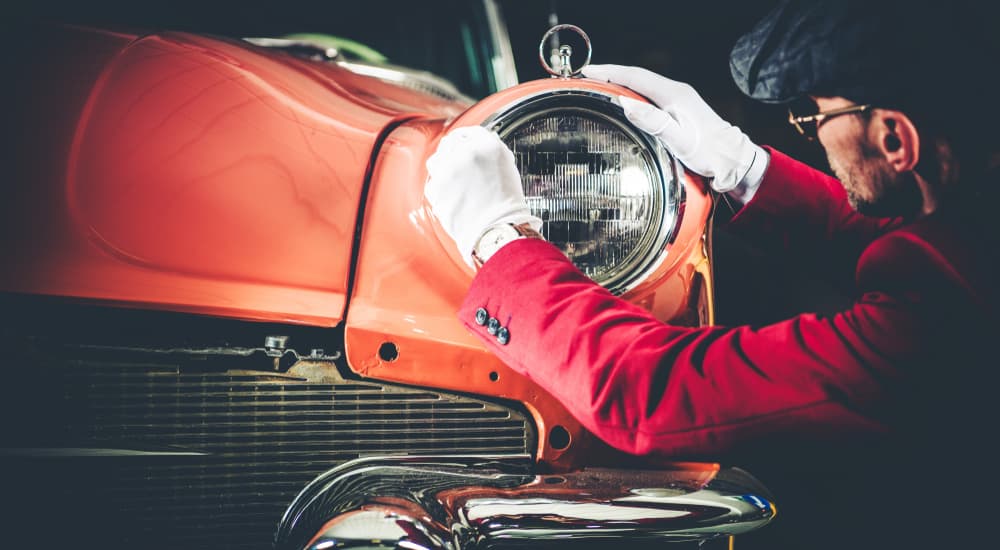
(869, 424)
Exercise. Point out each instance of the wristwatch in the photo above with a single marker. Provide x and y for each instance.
(496, 236)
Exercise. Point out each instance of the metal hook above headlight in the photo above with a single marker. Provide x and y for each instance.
(565, 69)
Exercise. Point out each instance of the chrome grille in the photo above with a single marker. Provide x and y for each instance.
(253, 440)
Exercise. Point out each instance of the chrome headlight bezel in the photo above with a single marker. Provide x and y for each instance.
(668, 190)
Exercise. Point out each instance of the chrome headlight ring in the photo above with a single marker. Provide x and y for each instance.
(609, 195)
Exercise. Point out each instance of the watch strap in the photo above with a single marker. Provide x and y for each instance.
(524, 231)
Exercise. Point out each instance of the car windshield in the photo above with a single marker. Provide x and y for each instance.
(450, 38)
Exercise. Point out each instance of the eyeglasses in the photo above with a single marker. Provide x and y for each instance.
(809, 125)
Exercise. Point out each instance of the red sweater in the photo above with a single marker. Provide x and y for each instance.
(650, 388)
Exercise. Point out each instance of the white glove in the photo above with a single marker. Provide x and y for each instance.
(688, 128)
(472, 185)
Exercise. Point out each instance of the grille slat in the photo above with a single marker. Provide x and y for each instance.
(242, 429)
(226, 392)
(142, 403)
(443, 424)
(412, 447)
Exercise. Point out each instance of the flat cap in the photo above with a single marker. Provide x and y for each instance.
(875, 51)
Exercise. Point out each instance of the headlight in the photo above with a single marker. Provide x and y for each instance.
(608, 194)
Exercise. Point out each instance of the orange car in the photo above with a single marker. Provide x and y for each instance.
(224, 282)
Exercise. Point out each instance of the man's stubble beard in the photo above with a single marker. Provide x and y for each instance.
(874, 188)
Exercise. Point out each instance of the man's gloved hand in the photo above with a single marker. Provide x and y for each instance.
(473, 185)
(688, 127)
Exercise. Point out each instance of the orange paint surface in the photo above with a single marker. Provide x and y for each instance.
(196, 174)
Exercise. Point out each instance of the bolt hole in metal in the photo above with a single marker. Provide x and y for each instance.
(388, 352)
(559, 438)
(494, 376)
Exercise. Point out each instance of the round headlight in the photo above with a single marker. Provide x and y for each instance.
(608, 195)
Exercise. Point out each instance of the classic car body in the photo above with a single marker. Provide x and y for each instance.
(226, 282)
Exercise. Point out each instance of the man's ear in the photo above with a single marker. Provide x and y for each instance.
(896, 137)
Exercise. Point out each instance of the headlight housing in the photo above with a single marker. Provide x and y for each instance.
(608, 194)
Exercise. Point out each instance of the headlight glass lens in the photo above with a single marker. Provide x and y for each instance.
(598, 188)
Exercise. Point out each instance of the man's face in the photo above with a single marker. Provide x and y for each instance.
(872, 186)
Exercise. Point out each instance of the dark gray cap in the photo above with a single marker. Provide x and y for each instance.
(874, 51)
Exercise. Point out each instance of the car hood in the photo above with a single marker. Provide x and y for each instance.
(194, 173)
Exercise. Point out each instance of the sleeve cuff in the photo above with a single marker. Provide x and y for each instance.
(747, 187)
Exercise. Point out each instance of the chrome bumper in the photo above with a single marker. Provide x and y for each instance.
(471, 502)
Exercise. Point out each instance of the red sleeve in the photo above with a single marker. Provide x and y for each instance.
(803, 210)
(647, 387)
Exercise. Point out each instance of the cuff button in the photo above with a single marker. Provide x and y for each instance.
(503, 336)
(492, 326)
(481, 316)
